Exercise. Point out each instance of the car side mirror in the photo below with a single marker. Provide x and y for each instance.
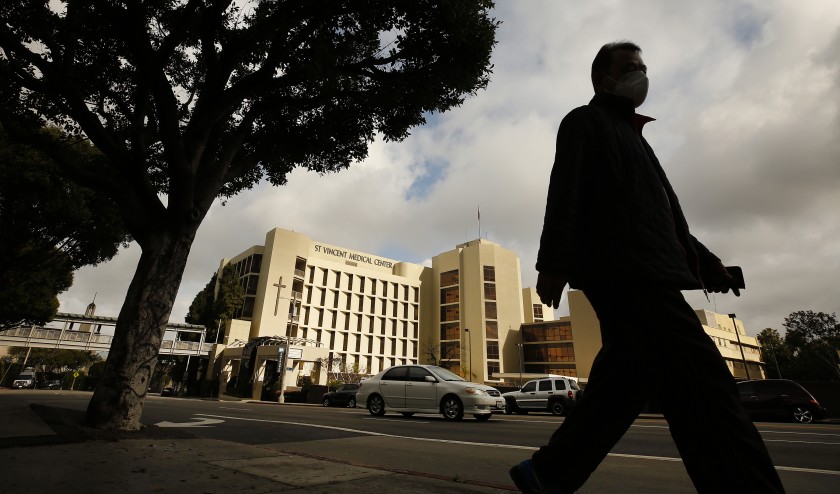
(429, 379)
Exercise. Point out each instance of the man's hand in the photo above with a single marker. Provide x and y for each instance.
(550, 288)
(718, 280)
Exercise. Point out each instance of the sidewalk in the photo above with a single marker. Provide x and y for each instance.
(47, 449)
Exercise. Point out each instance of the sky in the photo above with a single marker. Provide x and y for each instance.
(746, 98)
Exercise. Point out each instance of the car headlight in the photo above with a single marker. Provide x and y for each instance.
(475, 391)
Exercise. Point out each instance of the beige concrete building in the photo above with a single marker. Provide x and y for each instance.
(338, 306)
(568, 346)
(480, 307)
(328, 304)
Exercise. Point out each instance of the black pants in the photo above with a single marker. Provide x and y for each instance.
(654, 347)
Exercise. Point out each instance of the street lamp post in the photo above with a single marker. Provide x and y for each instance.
(469, 336)
(519, 345)
(740, 347)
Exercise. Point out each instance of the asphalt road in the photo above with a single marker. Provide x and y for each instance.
(645, 460)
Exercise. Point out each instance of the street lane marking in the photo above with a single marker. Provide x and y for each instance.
(800, 442)
(492, 445)
(201, 423)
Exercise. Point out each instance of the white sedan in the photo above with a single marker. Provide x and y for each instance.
(410, 389)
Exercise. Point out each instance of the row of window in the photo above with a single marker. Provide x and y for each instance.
(362, 303)
(368, 364)
(359, 323)
(337, 341)
(549, 352)
(363, 284)
(554, 331)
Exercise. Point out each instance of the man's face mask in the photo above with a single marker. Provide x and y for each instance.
(632, 85)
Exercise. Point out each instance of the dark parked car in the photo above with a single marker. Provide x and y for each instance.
(780, 399)
(54, 384)
(343, 396)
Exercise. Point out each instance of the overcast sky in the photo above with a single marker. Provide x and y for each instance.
(746, 100)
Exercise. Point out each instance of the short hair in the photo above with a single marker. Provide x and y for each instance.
(603, 59)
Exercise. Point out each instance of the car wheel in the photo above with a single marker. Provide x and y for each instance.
(557, 407)
(451, 408)
(510, 407)
(326, 402)
(802, 415)
(376, 406)
(351, 403)
(483, 417)
(407, 414)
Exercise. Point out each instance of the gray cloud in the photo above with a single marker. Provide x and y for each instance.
(746, 97)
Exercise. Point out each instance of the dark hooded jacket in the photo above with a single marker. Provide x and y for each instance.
(611, 215)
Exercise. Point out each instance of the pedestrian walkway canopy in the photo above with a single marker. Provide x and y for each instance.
(95, 333)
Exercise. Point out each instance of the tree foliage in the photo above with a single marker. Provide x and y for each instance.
(55, 361)
(211, 309)
(774, 352)
(813, 338)
(191, 100)
(50, 228)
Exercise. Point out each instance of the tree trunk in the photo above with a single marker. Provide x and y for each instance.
(117, 402)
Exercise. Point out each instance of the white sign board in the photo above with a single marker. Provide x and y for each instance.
(295, 353)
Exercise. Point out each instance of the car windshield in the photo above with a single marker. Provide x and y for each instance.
(445, 374)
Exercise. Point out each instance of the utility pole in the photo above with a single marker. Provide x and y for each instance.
(740, 347)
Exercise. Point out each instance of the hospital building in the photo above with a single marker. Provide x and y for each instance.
(319, 307)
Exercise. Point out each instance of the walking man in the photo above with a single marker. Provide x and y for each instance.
(614, 228)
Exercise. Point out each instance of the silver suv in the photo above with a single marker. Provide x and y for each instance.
(551, 394)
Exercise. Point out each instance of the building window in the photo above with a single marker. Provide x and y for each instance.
(549, 352)
(489, 273)
(493, 350)
(553, 332)
(453, 366)
(489, 291)
(538, 312)
(450, 313)
(491, 330)
(492, 369)
(248, 307)
(373, 286)
(450, 350)
(253, 281)
(449, 278)
(451, 331)
(449, 295)
(490, 310)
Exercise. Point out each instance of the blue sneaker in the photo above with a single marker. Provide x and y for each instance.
(525, 478)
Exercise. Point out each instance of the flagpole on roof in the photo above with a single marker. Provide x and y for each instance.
(479, 222)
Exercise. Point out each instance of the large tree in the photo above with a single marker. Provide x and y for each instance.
(50, 228)
(190, 100)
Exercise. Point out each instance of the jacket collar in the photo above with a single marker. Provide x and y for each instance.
(623, 108)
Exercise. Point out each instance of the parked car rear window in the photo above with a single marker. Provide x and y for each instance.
(545, 386)
(559, 385)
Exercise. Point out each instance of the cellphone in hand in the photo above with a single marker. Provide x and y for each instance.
(737, 273)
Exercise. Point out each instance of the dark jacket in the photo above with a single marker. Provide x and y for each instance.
(611, 215)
